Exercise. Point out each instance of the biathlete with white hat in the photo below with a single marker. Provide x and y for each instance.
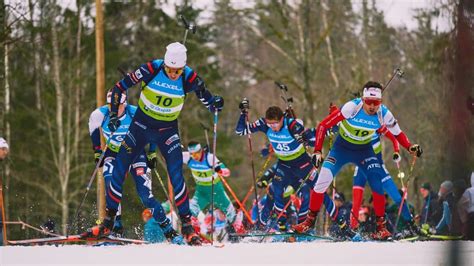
(4, 149)
(164, 85)
(361, 119)
(98, 123)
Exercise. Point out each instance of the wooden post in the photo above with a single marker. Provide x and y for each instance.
(4, 218)
(100, 85)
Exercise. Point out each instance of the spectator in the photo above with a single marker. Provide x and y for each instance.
(392, 213)
(4, 149)
(466, 210)
(344, 212)
(446, 205)
(430, 212)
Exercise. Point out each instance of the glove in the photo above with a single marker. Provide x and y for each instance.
(218, 104)
(114, 122)
(330, 133)
(262, 184)
(289, 190)
(97, 155)
(396, 157)
(317, 159)
(416, 149)
(222, 171)
(244, 105)
(333, 108)
(264, 152)
(300, 138)
(151, 160)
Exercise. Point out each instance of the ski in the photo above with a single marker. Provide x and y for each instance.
(75, 239)
(287, 234)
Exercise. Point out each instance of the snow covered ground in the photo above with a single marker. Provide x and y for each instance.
(323, 253)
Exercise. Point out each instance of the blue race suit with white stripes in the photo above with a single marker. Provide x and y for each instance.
(354, 145)
(160, 103)
(293, 164)
(98, 121)
(389, 186)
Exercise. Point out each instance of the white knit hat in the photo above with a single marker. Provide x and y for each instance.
(3, 143)
(175, 55)
(372, 92)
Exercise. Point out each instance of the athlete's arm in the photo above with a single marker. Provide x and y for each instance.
(186, 157)
(392, 125)
(144, 73)
(195, 83)
(243, 127)
(328, 122)
(384, 131)
(220, 168)
(95, 121)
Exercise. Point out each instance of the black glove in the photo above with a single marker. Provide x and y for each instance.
(97, 157)
(244, 105)
(396, 157)
(317, 159)
(151, 160)
(114, 122)
(416, 149)
(217, 104)
(301, 138)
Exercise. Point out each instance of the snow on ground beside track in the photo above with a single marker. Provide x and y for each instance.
(323, 253)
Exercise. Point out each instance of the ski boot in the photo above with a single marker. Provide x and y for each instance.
(381, 232)
(103, 229)
(347, 232)
(188, 232)
(117, 230)
(170, 234)
(307, 224)
(283, 229)
(414, 229)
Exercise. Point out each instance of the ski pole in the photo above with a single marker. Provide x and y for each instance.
(396, 73)
(334, 190)
(214, 144)
(188, 27)
(252, 162)
(405, 192)
(162, 184)
(23, 225)
(265, 165)
(312, 173)
(89, 185)
(236, 199)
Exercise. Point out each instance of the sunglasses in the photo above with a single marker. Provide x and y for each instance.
(177, 71)
(375, 102)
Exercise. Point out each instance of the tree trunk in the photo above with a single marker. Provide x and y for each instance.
(36, 57)
(62, 164)
(78, 89)
(365, 34)
(332, 68)
(100, 85)
(7, 120)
